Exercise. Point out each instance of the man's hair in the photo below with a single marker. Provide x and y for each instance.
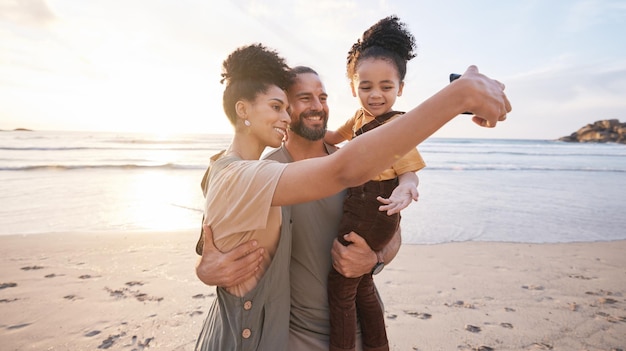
(303, 69)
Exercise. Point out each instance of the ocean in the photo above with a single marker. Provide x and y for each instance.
(530, 191)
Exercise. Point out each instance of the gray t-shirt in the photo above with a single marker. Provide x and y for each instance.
(315, 226)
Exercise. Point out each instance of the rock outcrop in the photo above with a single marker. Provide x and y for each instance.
(605, 131)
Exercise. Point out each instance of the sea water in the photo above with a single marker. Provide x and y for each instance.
(472, 189)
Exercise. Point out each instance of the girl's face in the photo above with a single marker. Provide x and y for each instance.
(377, 85)
(268, 116)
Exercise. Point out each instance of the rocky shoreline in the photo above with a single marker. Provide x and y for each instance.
(604, 131)
(17, 130)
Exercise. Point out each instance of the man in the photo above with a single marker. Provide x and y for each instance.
(314, 228)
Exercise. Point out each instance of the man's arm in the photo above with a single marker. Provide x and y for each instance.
(227, 269)
(358, 258)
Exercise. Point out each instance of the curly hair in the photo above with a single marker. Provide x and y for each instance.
(388, 39)
(249, 71)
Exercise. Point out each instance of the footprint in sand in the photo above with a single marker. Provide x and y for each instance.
(506, 325)
(610, 318)
(542, 346)
(607, 301)
(125, 292)
(92, 333)
(419, 314)
(202, 296)
(602, 292)
(108, 342)
(472, 328)
(533, 287)
(30, 268)
(460, 303)
(7, 285)
(18, 326)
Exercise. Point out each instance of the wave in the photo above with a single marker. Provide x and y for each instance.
(424, 151)
(184, 167)
(522, 153)
(167, 166)
(74, 148)
(507, 168)
(154, 141)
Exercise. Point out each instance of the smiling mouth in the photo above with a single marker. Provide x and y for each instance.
(314, 118)
(280, 131)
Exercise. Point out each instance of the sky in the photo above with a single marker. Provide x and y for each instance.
(154, 65)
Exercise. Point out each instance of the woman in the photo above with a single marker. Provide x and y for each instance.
(245, 195)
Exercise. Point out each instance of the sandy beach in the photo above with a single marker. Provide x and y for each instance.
(136, 291)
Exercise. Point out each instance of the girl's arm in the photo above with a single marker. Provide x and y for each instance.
(369, 154)
(334, 138)
(402, 195)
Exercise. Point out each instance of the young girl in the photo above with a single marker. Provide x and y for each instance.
(247, 197)
(376, 69)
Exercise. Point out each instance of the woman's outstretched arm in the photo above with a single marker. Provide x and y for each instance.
(372, 152)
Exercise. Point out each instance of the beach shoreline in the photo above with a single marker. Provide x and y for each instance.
(138, 290)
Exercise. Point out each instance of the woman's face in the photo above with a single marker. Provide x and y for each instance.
(377, 84)
(268, 116)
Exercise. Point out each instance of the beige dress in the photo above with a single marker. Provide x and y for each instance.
(254, 315)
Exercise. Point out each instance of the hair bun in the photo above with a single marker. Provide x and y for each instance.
(255, 63)
(391, 34)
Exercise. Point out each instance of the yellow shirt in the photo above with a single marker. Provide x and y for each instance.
(411, 162)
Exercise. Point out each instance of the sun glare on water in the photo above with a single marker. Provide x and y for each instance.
(164, 204)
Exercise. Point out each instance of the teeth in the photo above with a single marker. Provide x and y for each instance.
(280, 131)
(315, 118)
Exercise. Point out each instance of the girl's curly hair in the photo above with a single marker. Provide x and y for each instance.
(388, 39)
(249, 71)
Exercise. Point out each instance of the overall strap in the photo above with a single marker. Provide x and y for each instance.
(378, 121)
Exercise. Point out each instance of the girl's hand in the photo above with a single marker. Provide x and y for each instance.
(400, 198)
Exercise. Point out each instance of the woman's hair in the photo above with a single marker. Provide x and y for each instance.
(388, 39)
(249, 71)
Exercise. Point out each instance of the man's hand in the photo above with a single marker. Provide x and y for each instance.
(227, 269)
(354, 260)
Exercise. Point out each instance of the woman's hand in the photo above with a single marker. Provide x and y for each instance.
(487, 100)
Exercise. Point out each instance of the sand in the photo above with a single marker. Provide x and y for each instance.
(136, 291)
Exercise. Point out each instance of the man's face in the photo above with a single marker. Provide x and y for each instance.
(308, 108)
